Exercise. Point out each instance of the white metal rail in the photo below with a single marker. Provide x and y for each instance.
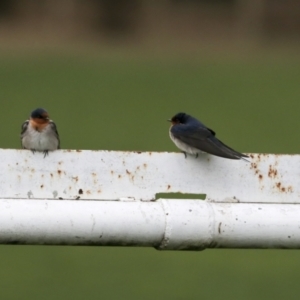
(249, 205)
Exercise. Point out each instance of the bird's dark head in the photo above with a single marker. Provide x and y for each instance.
(180, 118)
(40, 116)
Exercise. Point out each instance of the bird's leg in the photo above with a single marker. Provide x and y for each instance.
(33, 151)
(184, 154)
(46, 152)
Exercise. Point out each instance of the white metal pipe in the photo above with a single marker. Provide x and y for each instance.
(163, 224)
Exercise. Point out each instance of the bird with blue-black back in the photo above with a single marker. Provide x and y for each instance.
(193, 137)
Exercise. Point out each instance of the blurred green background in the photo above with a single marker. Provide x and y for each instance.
(111, 73)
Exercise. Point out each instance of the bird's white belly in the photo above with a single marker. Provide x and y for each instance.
(39, 141)
(184, 147)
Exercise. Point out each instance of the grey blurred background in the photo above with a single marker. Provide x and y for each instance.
(111, 73)
(184, 24)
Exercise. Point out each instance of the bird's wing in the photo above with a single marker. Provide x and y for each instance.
(24, 129)
(54, 129)
(191, 134)
(204, 139)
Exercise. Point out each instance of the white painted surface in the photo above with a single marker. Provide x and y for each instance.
(163, 224)
(112, 175)
(42, 200)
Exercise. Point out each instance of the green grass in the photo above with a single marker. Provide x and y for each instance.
(123, 105)
(39, 272)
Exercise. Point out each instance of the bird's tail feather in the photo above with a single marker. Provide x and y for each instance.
(229, 151)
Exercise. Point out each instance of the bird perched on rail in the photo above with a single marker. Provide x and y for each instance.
(193, 137)
(39, 133)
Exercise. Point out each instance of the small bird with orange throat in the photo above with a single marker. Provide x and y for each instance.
(39, 133)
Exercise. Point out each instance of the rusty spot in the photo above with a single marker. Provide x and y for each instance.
(60, 162)
(145, 165)
(99, 191)
(42, 175)
(150, 153)
(219, 227)
(128, 172)
(272, 172)
(260, 177)
(42, 186)
(94, 174)
(251, 155)
(119, 176)
(59, 172)
(142, 177)
(32, 170)
(78, 150)
(283, 189)
(256, 172)
(137, 167)
(80, 192)
(75, 178)
(168, 187)
(253, 165)
(88, 192)
(51, 174)
(138, 152)
(111, 172)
